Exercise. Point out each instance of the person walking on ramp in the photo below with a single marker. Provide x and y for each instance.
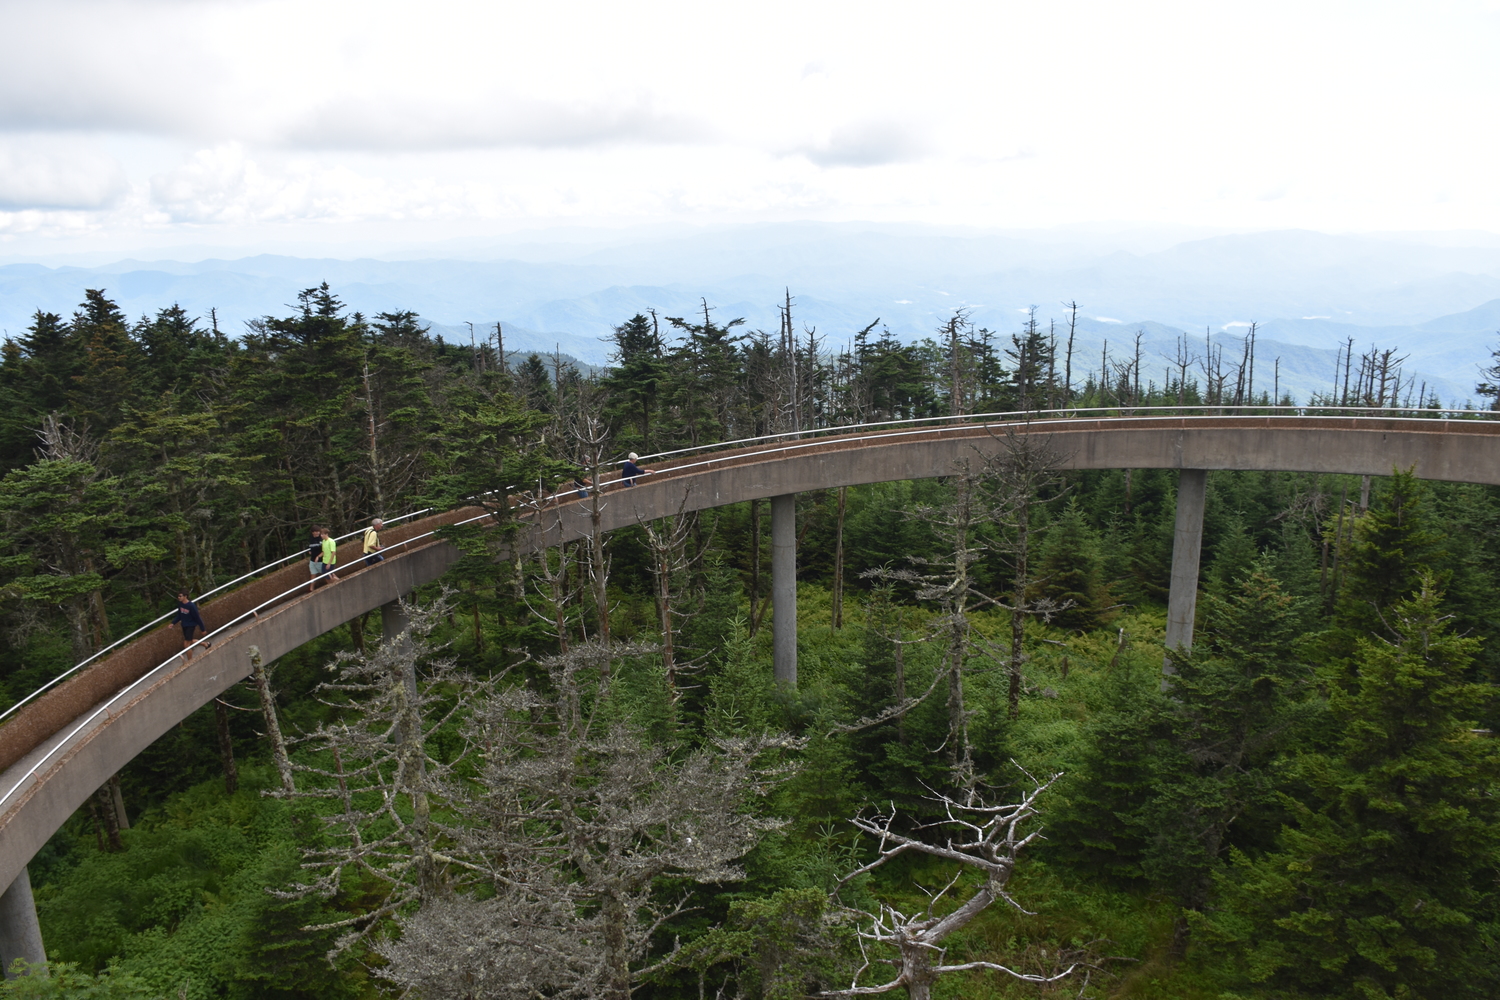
(630, 470)
(372, 543)
(330, 554)
(315, 557)
(189, 619)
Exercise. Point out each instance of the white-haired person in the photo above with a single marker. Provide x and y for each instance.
(629, 471)
(372, 543)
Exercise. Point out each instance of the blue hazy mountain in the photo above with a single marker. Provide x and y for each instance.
(1436, 297)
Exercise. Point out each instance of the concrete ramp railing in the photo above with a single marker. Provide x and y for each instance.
(51, 707)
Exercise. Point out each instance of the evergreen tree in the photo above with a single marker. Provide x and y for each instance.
(178, 355)
(636, 381)
(1392, 547)
(52, 357)
(1071, 570)
(1233, 557)
(1236, 701)
(1384, 883)
(111, 362)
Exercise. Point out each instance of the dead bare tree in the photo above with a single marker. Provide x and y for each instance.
(519, 944)
(667, 539)
(550, 578)
(1002, 488)
(1018, 478)
(376, 770)
(838, 558)
(947, 583)
(1068, 358)
(576, 811)
(590, 439)
(980, 837)
(955, 332)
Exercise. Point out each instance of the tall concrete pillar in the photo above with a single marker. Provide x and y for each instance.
(20, 934)
(393, 619)
(1187, 547)
(784, 587)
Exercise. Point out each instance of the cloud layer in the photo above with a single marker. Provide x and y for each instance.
(48, 174)
(158, 113)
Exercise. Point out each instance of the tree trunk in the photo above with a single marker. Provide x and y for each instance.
(664, 609)
(958, 738)
(373, 426)
(118, 798)
(226, 748)
(1019, 605)
(916, 968)
(273, 726)
(754, 566)
(109, 819)
(616, 956)
(899, 655)
(474, 613)
(838, 561)
(598, 571)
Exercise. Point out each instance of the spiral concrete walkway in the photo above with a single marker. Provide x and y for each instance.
(58, 750)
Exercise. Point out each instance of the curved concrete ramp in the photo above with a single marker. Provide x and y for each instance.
(81, 758)
(1450, 450)
(97, 742)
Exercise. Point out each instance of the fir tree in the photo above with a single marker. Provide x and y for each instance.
(1070, 572)
(1393, 545)
(1384, 884)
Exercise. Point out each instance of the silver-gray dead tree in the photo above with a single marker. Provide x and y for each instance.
(980, 837)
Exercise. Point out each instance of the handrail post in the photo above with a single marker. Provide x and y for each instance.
(20, 933)
(784, 588)
(1187, 547)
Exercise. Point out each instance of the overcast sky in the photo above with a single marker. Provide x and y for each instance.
(192, 121)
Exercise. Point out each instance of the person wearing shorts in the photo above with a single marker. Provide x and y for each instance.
(190, 621)
(330, 554)
(315, 557)
(372, 544)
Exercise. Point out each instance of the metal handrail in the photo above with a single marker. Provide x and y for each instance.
(104, 707)
(985, 419)
(1197, 408)
(157, 621)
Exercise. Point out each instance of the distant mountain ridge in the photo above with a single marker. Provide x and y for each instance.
(1310, 292)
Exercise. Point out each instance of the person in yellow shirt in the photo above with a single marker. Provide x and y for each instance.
(372, 543)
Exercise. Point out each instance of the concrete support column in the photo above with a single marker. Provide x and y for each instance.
(20, 934)
(393, 619)
(1187, 547)
(784, 587)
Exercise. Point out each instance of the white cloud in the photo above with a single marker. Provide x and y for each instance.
(866, 144)
(224, 185)
(58, 174)
(375, 124)
(1108, 319)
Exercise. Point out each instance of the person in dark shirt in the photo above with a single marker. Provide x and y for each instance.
(315, 557)
(188, 618)
(630, 470)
